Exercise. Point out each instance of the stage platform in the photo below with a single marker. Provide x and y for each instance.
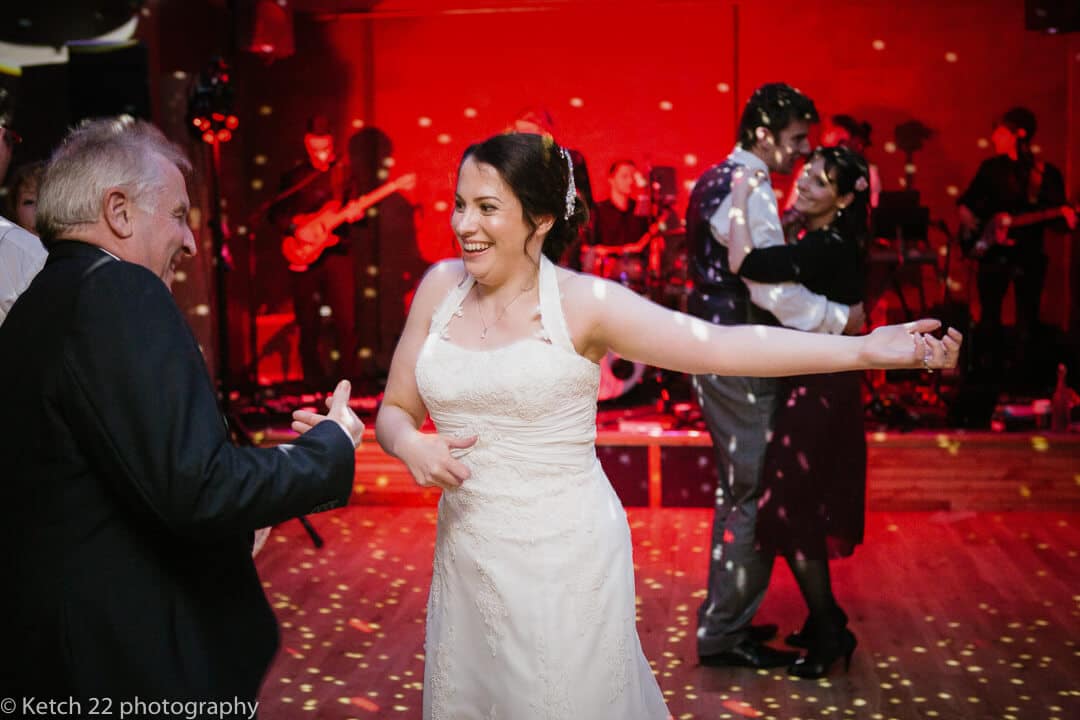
(920, 470)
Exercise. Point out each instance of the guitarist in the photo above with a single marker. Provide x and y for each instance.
(1012, 182)
(329, 281)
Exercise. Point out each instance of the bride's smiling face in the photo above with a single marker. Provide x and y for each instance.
(488, 220)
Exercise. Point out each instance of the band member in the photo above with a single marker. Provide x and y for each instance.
(326, 284)
(1007, 245)
(619, 220)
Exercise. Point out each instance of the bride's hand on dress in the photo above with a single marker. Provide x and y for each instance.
(429, 460)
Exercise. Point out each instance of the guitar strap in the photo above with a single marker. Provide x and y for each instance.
(293, 189)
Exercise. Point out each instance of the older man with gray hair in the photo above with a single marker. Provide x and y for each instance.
(127, 514)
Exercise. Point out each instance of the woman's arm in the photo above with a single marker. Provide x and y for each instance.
(397, 427)
(611, 317)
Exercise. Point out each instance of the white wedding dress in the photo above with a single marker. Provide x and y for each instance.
(531, 611)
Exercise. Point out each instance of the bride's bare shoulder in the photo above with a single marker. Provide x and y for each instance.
(576, 285)
(438, 280)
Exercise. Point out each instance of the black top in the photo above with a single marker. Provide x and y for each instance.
(1001, 186)
(618, 227)
(822, 261)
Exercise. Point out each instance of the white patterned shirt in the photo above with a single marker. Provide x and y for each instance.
(21, 258)
(791, 303)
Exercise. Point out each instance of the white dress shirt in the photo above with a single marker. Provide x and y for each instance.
(792, 304)
(21, 258)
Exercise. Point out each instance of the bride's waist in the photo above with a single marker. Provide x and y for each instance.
(520, 482)
(539, 450)
(513, 506)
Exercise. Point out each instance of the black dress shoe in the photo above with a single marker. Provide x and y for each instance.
(762, 633)
(749, 654)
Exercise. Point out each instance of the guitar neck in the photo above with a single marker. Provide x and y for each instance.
(363, 202)
(1036, 216)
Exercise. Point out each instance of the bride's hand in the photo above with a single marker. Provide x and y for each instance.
(429, 460)
(911, 346)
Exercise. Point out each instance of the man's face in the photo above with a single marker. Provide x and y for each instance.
(162, 236)
(320, 149)
(783, 149)
(622, 180)
(1004, 140)
(835, 135)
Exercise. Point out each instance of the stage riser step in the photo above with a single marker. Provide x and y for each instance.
(917, 471)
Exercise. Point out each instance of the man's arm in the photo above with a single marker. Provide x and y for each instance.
(792, 304)
(140, 400)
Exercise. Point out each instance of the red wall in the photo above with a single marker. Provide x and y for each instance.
(950, 65)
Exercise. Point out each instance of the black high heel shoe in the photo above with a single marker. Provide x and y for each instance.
(819, 658)
(804, 637)
(801, 637)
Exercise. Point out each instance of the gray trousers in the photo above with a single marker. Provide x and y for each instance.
(739, 413)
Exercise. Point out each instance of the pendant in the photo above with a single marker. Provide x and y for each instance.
(483, 334)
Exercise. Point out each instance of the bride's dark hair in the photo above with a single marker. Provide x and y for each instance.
(537, 172)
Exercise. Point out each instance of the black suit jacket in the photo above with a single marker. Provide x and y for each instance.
(126, 515)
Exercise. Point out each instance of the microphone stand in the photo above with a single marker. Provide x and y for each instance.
(223, 263)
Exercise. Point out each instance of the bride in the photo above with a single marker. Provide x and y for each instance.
(531, 610)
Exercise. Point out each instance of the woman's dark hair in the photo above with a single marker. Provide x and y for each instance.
(536, 170)
(773, 106)
(849, 173)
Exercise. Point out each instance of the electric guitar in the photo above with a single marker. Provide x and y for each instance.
(995, 231)
(314, 232)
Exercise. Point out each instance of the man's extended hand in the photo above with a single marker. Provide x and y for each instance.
(339, 412)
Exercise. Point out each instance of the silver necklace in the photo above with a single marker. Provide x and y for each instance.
(480, 312)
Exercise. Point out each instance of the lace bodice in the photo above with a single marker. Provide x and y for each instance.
(531, 611)
(532, 401)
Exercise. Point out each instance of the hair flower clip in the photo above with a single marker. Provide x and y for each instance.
(571, 190)
(861, 184)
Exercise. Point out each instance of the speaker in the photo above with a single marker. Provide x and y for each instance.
(1052, 16)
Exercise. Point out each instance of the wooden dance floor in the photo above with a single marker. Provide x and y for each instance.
(958, 615)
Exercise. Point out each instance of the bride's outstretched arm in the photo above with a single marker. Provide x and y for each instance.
(620, 320)
(397, 427)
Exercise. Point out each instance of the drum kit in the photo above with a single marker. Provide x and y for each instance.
(655, 267)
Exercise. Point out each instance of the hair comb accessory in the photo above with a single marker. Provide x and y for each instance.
(571, 189)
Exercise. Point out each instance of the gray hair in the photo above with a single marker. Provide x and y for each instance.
(97, 155)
